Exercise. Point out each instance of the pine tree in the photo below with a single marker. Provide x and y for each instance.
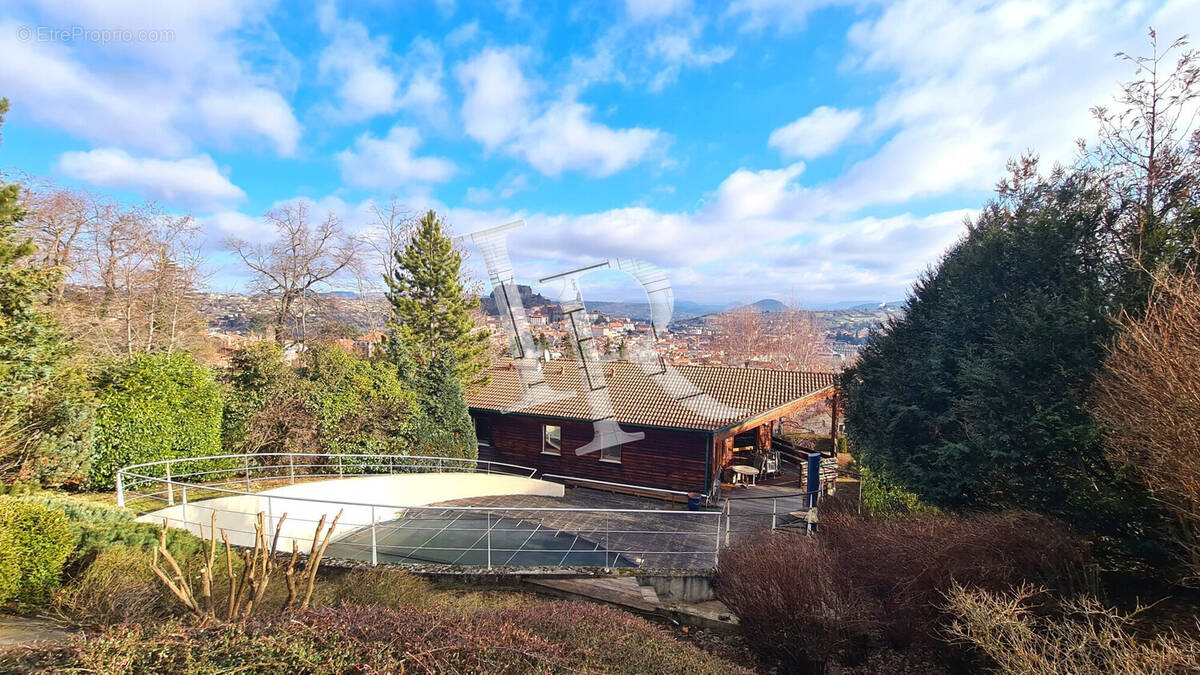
(443, 426)
(45, 432)
(431, 305)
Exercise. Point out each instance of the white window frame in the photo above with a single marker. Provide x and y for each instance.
(610, 460)
(548, 449)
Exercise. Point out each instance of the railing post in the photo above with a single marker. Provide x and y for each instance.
(774, 510)
(606, 544)
(717, 548)
(184, 517)
(170, 487)
(292, 468)
(489, 540)
(341, 471)
(728, 521)
(120, 489)
(374, 549)
(247, 472)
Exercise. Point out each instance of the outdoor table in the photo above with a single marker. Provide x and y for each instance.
(741, 471)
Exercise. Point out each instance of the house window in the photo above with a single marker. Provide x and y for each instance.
(551, 439)
(483, 431)
(611, 454)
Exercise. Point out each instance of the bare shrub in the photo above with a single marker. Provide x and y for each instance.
(794, 605)
(249, 588)
(803, 600)
(1081, 637)
(1147, 398)
(905, 564)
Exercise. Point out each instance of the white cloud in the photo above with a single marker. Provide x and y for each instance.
(676, 48)
(466, 33)
(816, 134)
(977, 85)
(387, 163)
(565, 139)
(653, 10)
(784, 15)
(192, 181)
(498, 111)
(369, 79)
(497, 96)
(144, 94)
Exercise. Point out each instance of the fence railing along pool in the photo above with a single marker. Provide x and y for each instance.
(393, 511)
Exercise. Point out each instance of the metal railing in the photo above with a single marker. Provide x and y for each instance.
(188, 492)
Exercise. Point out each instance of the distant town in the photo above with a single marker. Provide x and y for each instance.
(359, 322)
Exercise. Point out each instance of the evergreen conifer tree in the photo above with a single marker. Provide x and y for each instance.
(45, 422)
(443, 426)
(431, 305)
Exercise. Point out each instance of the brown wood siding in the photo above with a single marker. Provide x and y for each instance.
(665, 458)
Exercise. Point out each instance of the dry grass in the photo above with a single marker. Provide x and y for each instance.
(548, 637)
(1081, 636)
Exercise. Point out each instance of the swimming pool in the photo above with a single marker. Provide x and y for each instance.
(476, 539)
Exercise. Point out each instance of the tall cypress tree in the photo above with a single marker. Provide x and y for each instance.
(432, 307)
(977, 397)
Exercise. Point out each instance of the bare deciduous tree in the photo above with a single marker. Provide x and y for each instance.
(1148, 399)
(1149, 151)
(130, 274)
(740, 334)
(303, 260)
(391, 229)
(797, 339)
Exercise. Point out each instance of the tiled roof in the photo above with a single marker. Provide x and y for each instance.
(734, 394)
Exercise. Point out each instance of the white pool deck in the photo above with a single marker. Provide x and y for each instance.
(363, 500)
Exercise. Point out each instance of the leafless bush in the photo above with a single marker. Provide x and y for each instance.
(1083, 637)
(803, 600)
(905, 564)
(789, 596)
(1148, 399)
(247, 589)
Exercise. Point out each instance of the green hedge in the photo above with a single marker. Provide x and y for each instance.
(153, 407)
(35, 541)
(100, 526)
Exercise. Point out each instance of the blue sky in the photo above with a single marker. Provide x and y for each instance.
(794, 149)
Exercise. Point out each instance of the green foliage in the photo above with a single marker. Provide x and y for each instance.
(35, 541)
(431, 305)
(977, 396)
(361, 405)
(256, 374)
(154, 407)
(883, 497)
(335, 402)
(100, 526)
(45, 417)
(443, 426)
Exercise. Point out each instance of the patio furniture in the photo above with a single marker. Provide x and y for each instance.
(767, 463)
(741, 472)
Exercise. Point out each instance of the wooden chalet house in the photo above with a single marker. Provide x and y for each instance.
(681, 451)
